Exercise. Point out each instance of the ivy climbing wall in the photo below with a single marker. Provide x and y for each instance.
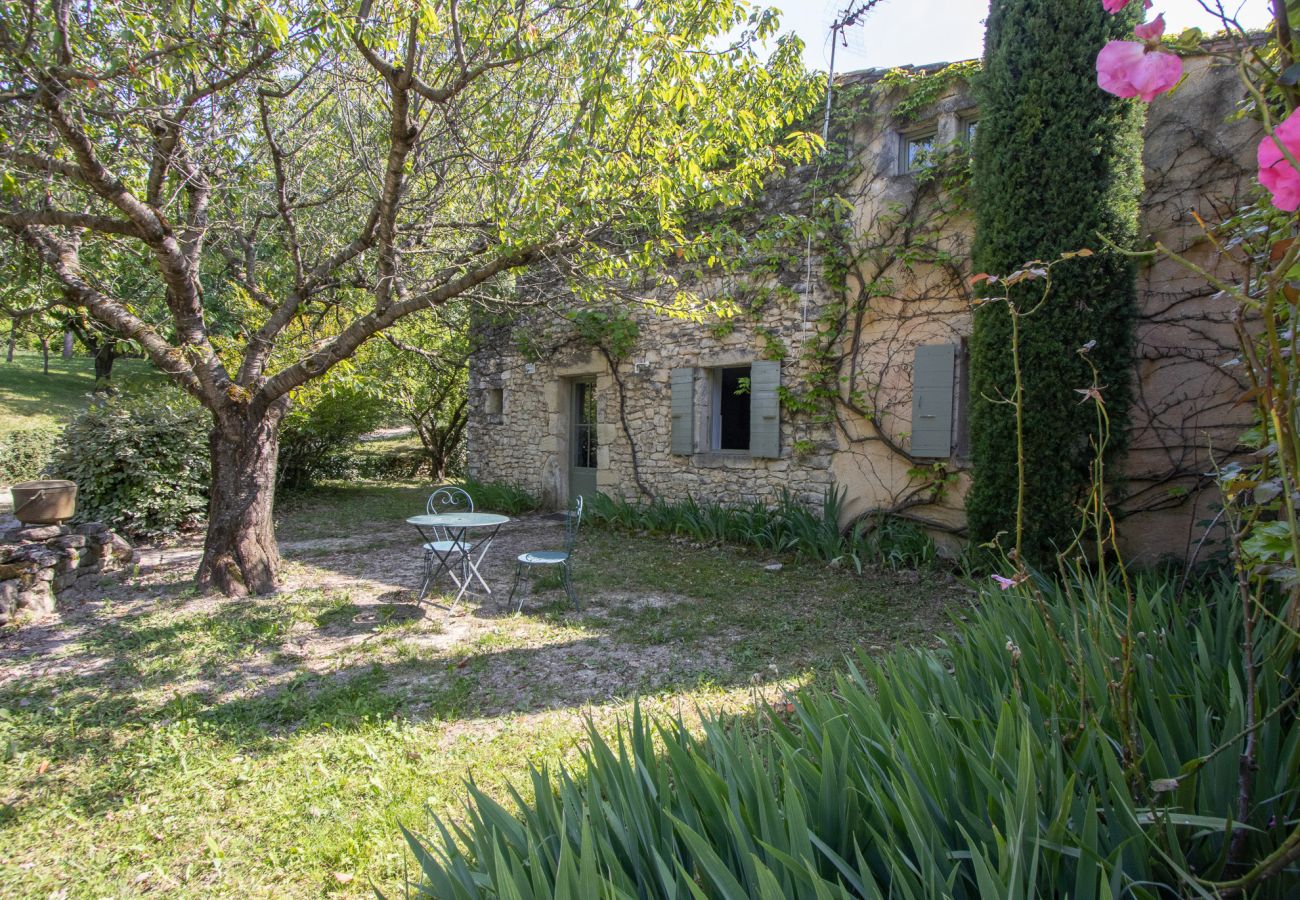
(841, 270)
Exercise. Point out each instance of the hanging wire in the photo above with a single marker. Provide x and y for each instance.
(851, 16)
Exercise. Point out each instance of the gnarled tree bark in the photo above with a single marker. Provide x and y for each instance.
(240, 555)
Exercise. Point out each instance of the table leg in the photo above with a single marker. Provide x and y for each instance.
(475, 563)
(462, 583)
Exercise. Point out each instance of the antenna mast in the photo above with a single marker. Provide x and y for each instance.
(851, 16)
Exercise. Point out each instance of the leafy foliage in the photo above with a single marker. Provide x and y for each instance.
(299, 178)
(922, 87)
(981, 770)
(318, 435)
(140, 461)
(387, 464)
(1259, 490)
(787, 527)
(421, 371)
(25, 454)
(500, 497)
(612, 330)
(1057, 163)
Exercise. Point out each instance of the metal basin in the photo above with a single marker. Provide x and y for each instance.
(44, 502)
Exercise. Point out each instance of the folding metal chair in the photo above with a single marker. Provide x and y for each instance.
(562, 558)
(446, 545)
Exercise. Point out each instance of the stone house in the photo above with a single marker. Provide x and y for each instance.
(843, 363)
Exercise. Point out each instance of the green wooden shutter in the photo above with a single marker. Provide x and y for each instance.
(683, 436)
(932, 377)
(765, 409)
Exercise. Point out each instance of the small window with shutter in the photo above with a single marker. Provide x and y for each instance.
(932, 393)
(743, 410)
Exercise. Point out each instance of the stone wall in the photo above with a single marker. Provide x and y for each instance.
(528, 445)
(1199, 164)
(1196, 161)
(39, 561)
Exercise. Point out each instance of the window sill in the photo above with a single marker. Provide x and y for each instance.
(721, 457)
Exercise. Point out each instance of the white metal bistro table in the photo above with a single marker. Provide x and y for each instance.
(456, 525)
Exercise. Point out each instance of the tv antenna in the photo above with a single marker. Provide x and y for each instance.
(851, 17)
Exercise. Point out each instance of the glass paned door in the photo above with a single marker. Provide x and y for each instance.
(582, 460)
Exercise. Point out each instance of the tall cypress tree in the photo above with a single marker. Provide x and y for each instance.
(1057, 162)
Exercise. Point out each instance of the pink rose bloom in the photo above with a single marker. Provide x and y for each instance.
(1275, 171)
(1130, 69)
(1114, 6)
(1151, 31)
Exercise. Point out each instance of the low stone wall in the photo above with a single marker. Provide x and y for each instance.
(38, 561)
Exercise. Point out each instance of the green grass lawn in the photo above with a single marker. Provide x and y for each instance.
(162, 742)
(31, 399)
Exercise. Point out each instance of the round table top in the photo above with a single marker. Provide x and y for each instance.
(459, 520)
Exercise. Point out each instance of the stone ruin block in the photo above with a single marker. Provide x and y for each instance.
(36, 562)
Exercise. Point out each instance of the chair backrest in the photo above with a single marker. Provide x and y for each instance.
(571, 525)
(449, 498)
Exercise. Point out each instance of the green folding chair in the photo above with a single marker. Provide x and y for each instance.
(563, 558)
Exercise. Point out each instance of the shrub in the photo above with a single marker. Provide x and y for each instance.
(787, 527)
(986, 769)
(389, 465)
(894, 542)
(25, 454)
(319, 435)
(1057, 168)
(140, 462)
(499, 497)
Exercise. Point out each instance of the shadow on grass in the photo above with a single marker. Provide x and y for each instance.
(660, 619)
(345, 509)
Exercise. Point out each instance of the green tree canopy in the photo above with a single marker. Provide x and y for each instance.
(302, 175)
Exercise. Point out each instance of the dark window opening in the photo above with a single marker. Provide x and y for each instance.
(733, 408)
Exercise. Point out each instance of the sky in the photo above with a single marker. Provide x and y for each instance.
(898, 32)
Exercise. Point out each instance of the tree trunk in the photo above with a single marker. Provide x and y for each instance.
(105, 355)
(13, 340)
(45, 352)
(240, 555)
(67, 344)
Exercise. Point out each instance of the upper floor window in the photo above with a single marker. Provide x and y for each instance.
(968, 127)
(916, 150)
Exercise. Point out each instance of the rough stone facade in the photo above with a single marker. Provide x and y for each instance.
(39, 561)
(905, 248)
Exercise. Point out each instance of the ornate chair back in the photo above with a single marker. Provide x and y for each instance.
(571, 526)
(448, 498)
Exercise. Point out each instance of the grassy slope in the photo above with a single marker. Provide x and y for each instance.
(31, 399)
(156, 786)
